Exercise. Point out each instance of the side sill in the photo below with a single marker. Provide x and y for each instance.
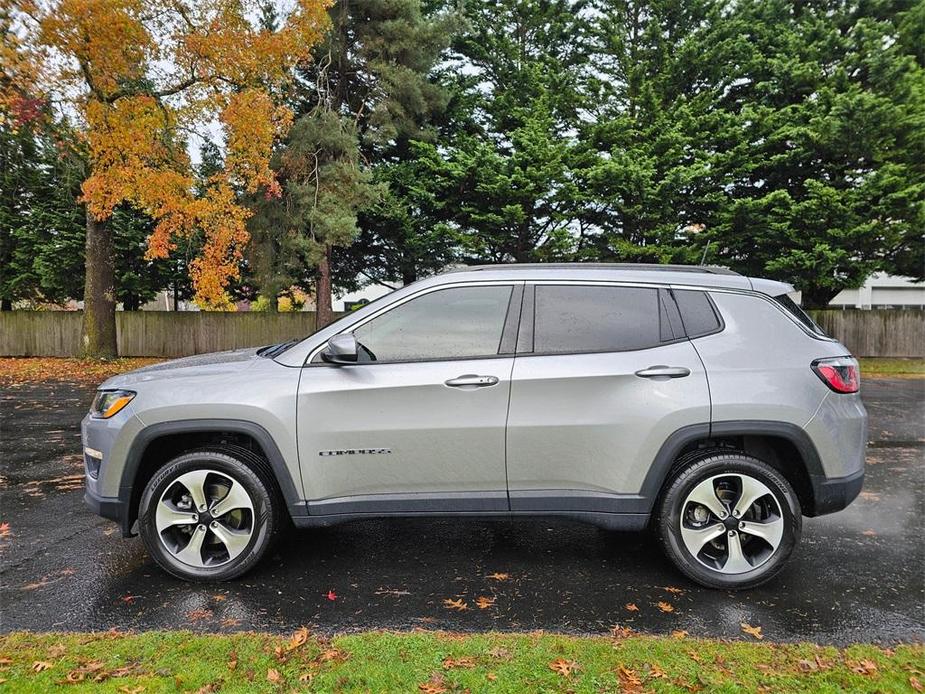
(623, 522)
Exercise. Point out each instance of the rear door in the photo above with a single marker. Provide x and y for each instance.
(603, 375)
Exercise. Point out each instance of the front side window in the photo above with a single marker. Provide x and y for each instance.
(455, 323)
(573, 319)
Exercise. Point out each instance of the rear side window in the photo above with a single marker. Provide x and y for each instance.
(573, 318)
(793, 308)
(697, 312)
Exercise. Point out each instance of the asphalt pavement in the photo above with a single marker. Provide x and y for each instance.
(858, 575)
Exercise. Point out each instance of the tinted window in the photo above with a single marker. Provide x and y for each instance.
(697, 313)
(793, 308)
(445, 324)
(595, 319)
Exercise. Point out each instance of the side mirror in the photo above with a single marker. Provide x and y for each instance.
(341, 349)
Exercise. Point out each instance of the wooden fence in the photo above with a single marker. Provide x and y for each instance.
(879, 333)
(151, 333)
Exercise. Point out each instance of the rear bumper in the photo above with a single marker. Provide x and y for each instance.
(834, 494)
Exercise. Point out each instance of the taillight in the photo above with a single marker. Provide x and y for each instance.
(841, 374)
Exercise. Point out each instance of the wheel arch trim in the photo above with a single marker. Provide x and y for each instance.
(671, 449)
(264, 439)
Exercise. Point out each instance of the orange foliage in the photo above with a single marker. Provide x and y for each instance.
(143, 75)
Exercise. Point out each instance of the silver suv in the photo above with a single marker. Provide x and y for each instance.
(696, 401)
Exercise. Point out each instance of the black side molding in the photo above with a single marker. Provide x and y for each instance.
(674, 444)
(204, 426)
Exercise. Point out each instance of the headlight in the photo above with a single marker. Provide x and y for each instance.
(109, 402)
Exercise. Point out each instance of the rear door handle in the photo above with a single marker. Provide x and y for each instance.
(661, 371)
(472, 381)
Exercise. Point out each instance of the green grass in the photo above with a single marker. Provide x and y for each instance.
(872, 367)
(439, 662)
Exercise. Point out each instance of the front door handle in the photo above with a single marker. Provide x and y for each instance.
(661, 371)
(472, 381)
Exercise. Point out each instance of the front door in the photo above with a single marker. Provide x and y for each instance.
(604, 377)
(418, 424)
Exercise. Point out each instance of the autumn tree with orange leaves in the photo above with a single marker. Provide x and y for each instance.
(142, 77)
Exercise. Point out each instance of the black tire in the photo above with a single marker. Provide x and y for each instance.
(242, 467)
(672, 502)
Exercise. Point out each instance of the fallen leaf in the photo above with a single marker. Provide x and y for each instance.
(306, 677)
(233, 661)
(915, 684)
(665, 606)
(465, 662)
(500, 652)
(274, 676)
(332, 595)
(435, 685)
(131, 690)
(563, 667)
(219, 597)
(870, 533)
(5, 661)
(75, 676)
(864, 667)
(751, 631)
(129, 599)
(618, 632)
(198, 615)
(229, 622)
(679, 634)
(498, 576)
(459, 605)
(672, 589)
(40, 665)
(491, 677)
(4, 530)
(298, 639)
(631, 606)
(629, 680)
(484, 602)
(807, 665)
(655, 672)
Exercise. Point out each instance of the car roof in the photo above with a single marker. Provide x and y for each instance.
(678, 275)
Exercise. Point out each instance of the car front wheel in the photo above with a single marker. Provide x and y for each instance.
(207, 516)
(729, 521)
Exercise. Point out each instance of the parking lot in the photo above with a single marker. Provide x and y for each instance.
(858, 575)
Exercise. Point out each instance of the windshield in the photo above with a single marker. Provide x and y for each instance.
(794, 309)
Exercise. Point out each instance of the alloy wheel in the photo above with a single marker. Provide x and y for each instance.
(205, 518)
(732, 523)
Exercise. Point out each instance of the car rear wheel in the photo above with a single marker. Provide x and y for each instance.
(729, 521)
(208, 516)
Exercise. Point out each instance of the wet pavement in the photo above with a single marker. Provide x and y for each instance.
(858, 575)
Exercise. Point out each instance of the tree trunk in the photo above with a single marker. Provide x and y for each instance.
(273, 299)
(98, 335)
(176, 298)
(817, 297)
(323, 313)
(6, 305)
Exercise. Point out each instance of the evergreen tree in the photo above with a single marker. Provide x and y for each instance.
(364, 99)
(505, 176)
(823, 176)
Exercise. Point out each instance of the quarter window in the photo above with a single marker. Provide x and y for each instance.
(574, 318)
(453, 323)
(697, 313)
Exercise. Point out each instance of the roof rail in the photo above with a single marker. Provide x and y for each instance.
(708, 269)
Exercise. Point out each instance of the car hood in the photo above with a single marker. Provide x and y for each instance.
(211, 364)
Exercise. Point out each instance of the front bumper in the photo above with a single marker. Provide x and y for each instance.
(102, 456)
(834, 494)
(113, 509)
